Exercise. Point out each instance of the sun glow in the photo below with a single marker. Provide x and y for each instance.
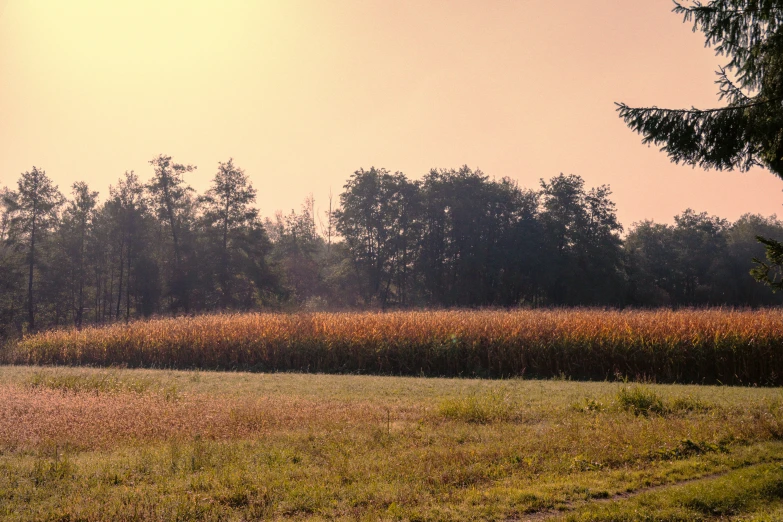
(302, 93)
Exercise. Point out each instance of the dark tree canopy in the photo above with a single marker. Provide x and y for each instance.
(454, 237)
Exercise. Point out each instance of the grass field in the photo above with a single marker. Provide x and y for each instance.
(688, 346)
(137, 444)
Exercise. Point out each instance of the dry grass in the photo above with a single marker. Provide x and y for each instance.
(707, 346)
(32, 417)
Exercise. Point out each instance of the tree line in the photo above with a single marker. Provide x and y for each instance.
(455, 238)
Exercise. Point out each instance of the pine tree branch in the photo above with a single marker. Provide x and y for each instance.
(701, 8)
(625, 109)
(729, 90)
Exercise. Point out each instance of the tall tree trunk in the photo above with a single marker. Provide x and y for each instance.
(80, 307)
(173, 224)
(72, 299)
(119, 284)
(97, 298)
(127, 285)
(107, 301)
(182, 291)
(31, 305)
(224, 257)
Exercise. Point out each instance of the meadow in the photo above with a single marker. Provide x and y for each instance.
(686, 346)
(387, 420)
(135, 444)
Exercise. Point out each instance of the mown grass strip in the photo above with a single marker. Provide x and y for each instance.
(747, 491)
(763, 489)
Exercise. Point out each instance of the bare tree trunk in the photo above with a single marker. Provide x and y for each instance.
(119, 284)
(80, 307)
(173, 224)
(108, 298)
(127, 286)
(224, 258)
(329, 220)
(97, 298)
(31, 305)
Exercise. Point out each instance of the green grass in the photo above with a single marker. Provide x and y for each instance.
(753, 493)
(643, 400)
(242, 446)
(105, 381)
(482, 408)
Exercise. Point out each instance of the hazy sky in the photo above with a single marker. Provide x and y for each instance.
(303, 93)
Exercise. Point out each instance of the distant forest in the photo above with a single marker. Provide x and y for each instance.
(455, 238)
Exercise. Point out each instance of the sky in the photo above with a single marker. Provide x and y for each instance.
(303, 93)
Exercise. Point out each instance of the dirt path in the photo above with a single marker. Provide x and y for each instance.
(568, 507)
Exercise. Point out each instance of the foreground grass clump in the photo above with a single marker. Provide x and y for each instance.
(640, 400)
(249, 446)
(643, 400)
(487, 407)
(707, 346)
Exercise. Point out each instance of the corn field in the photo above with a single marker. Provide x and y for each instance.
(688, 346)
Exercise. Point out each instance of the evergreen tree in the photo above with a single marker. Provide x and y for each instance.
(127, 209)
(75, 232)
(748, 130)
(33, 214)
(228, 214)
(172, 204)
(11, 264)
